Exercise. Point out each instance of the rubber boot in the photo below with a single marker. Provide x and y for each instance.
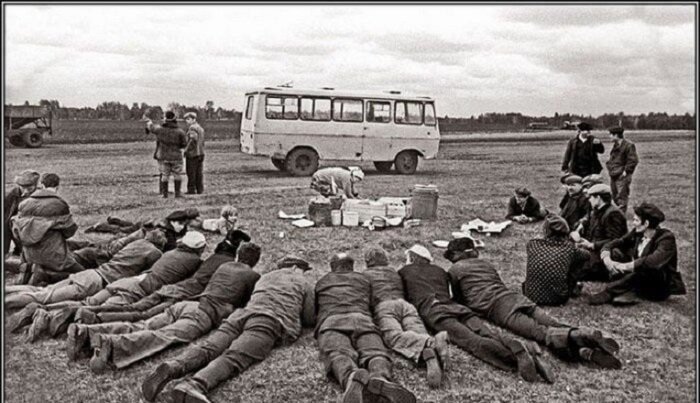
(164, 189)
(178, 186)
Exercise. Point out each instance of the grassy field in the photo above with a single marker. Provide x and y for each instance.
(475, 178)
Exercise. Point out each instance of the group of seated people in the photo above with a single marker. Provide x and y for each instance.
(130, 298)
(589, 240)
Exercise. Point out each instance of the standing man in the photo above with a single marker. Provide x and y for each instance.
(623, 160)
(581, 156)
(170, 142)
(194, 155)
(42, 225)
(26, 183)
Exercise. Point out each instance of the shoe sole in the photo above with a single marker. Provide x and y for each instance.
(608, 344)
(544, 369)
(154, 383)
(357, 380)
(526, 366)
(394, 393)
(605, 360)
(72, 347)
(20, 319)
(441, 342)
(434, 373)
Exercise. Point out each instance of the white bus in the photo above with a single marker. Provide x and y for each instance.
(297, 128)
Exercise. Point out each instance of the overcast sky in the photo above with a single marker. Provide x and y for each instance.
(473, 59)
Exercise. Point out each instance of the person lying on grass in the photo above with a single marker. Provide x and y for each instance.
(132, 260)
(172, 267)
(120, 344)
(477, 285)
(282, 302)
(523, 208)
(400, 324)
(350, 346)
(222, 225)
(427, 287)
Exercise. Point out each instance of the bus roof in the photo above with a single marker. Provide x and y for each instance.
(331, 92)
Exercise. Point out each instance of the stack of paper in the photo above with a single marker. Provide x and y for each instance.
(281, 214)
(485, 227)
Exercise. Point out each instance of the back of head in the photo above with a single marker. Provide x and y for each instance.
(460, 248)
(50, 180)
(235, 237)
(194, 240)
(292, 261)
(157, 238)
(555, 226)
(342, 262)
(249, 253)
(190, 115)
(28, 177)
(419, 254)
(376, 256)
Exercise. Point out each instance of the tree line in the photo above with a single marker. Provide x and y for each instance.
(113, 110)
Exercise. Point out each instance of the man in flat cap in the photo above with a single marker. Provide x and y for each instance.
(170, 141)
(399, 322)
(524, 208)
(351, 348)
(26, 183)
(606, 222)
(167, 295)
(477, 285)
(172, 267)
(281, 304)
(574, 205)
(581, 156)
(551, 264)
(649, 269)
(427, 287)
(43, 224)
(621, 165)
(121, 344)
(335, 181)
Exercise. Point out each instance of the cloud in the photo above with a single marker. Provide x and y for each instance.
(594, 15)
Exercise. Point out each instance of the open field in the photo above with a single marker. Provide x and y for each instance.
(475, 179)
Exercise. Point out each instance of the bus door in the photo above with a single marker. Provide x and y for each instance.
(379, 131)
(345, 141)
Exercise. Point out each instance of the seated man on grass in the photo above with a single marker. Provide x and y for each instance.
(282, 302)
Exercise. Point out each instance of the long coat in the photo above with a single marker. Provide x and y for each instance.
(587, 165)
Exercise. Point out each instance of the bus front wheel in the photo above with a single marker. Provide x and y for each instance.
(279, 164)
(406, 162)
(302, 162)
(383, 166)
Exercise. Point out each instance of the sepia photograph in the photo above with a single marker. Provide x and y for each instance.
(349, 202)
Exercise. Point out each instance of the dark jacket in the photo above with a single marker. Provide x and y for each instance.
(658, 260)
(130, 261)
(340, 293)
(386, 284)
(574, 208)
(172, 267)
(427, 287)
(531, 209)
(170, 142)
(548, 273)
(605, 224)
(195, 141)
(230, 287)
(43, 224)
(623, 158)
(12, 200)
(582, 158)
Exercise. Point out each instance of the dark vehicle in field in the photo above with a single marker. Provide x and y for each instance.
(26, 125)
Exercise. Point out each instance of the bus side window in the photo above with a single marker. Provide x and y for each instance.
(378, 112)
(430, 114)
(408, 112)
(281, 107)
(249, 108)
(347, 110)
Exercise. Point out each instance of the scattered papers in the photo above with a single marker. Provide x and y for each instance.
(485, 227)
(303, 223)
(281, 214)
(440, 244)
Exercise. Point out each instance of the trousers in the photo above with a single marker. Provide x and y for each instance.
(402, 328)
(194, 166)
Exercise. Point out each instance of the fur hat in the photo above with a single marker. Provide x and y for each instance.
(421, 251)
(585, 126)
(194, 240)
(236, 236)
(455, 246)
(170, 116)
(28, 177)
(555, 225)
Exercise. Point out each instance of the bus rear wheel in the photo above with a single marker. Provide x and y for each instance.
(302, 162)
(279, 164)
(406, 162)
(383, 166)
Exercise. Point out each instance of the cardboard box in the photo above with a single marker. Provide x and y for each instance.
(396, 206)
(366, 209)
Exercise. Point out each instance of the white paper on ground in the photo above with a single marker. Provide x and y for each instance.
(303, 223)
(440, 244)
(486, 227)
(281, 214)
